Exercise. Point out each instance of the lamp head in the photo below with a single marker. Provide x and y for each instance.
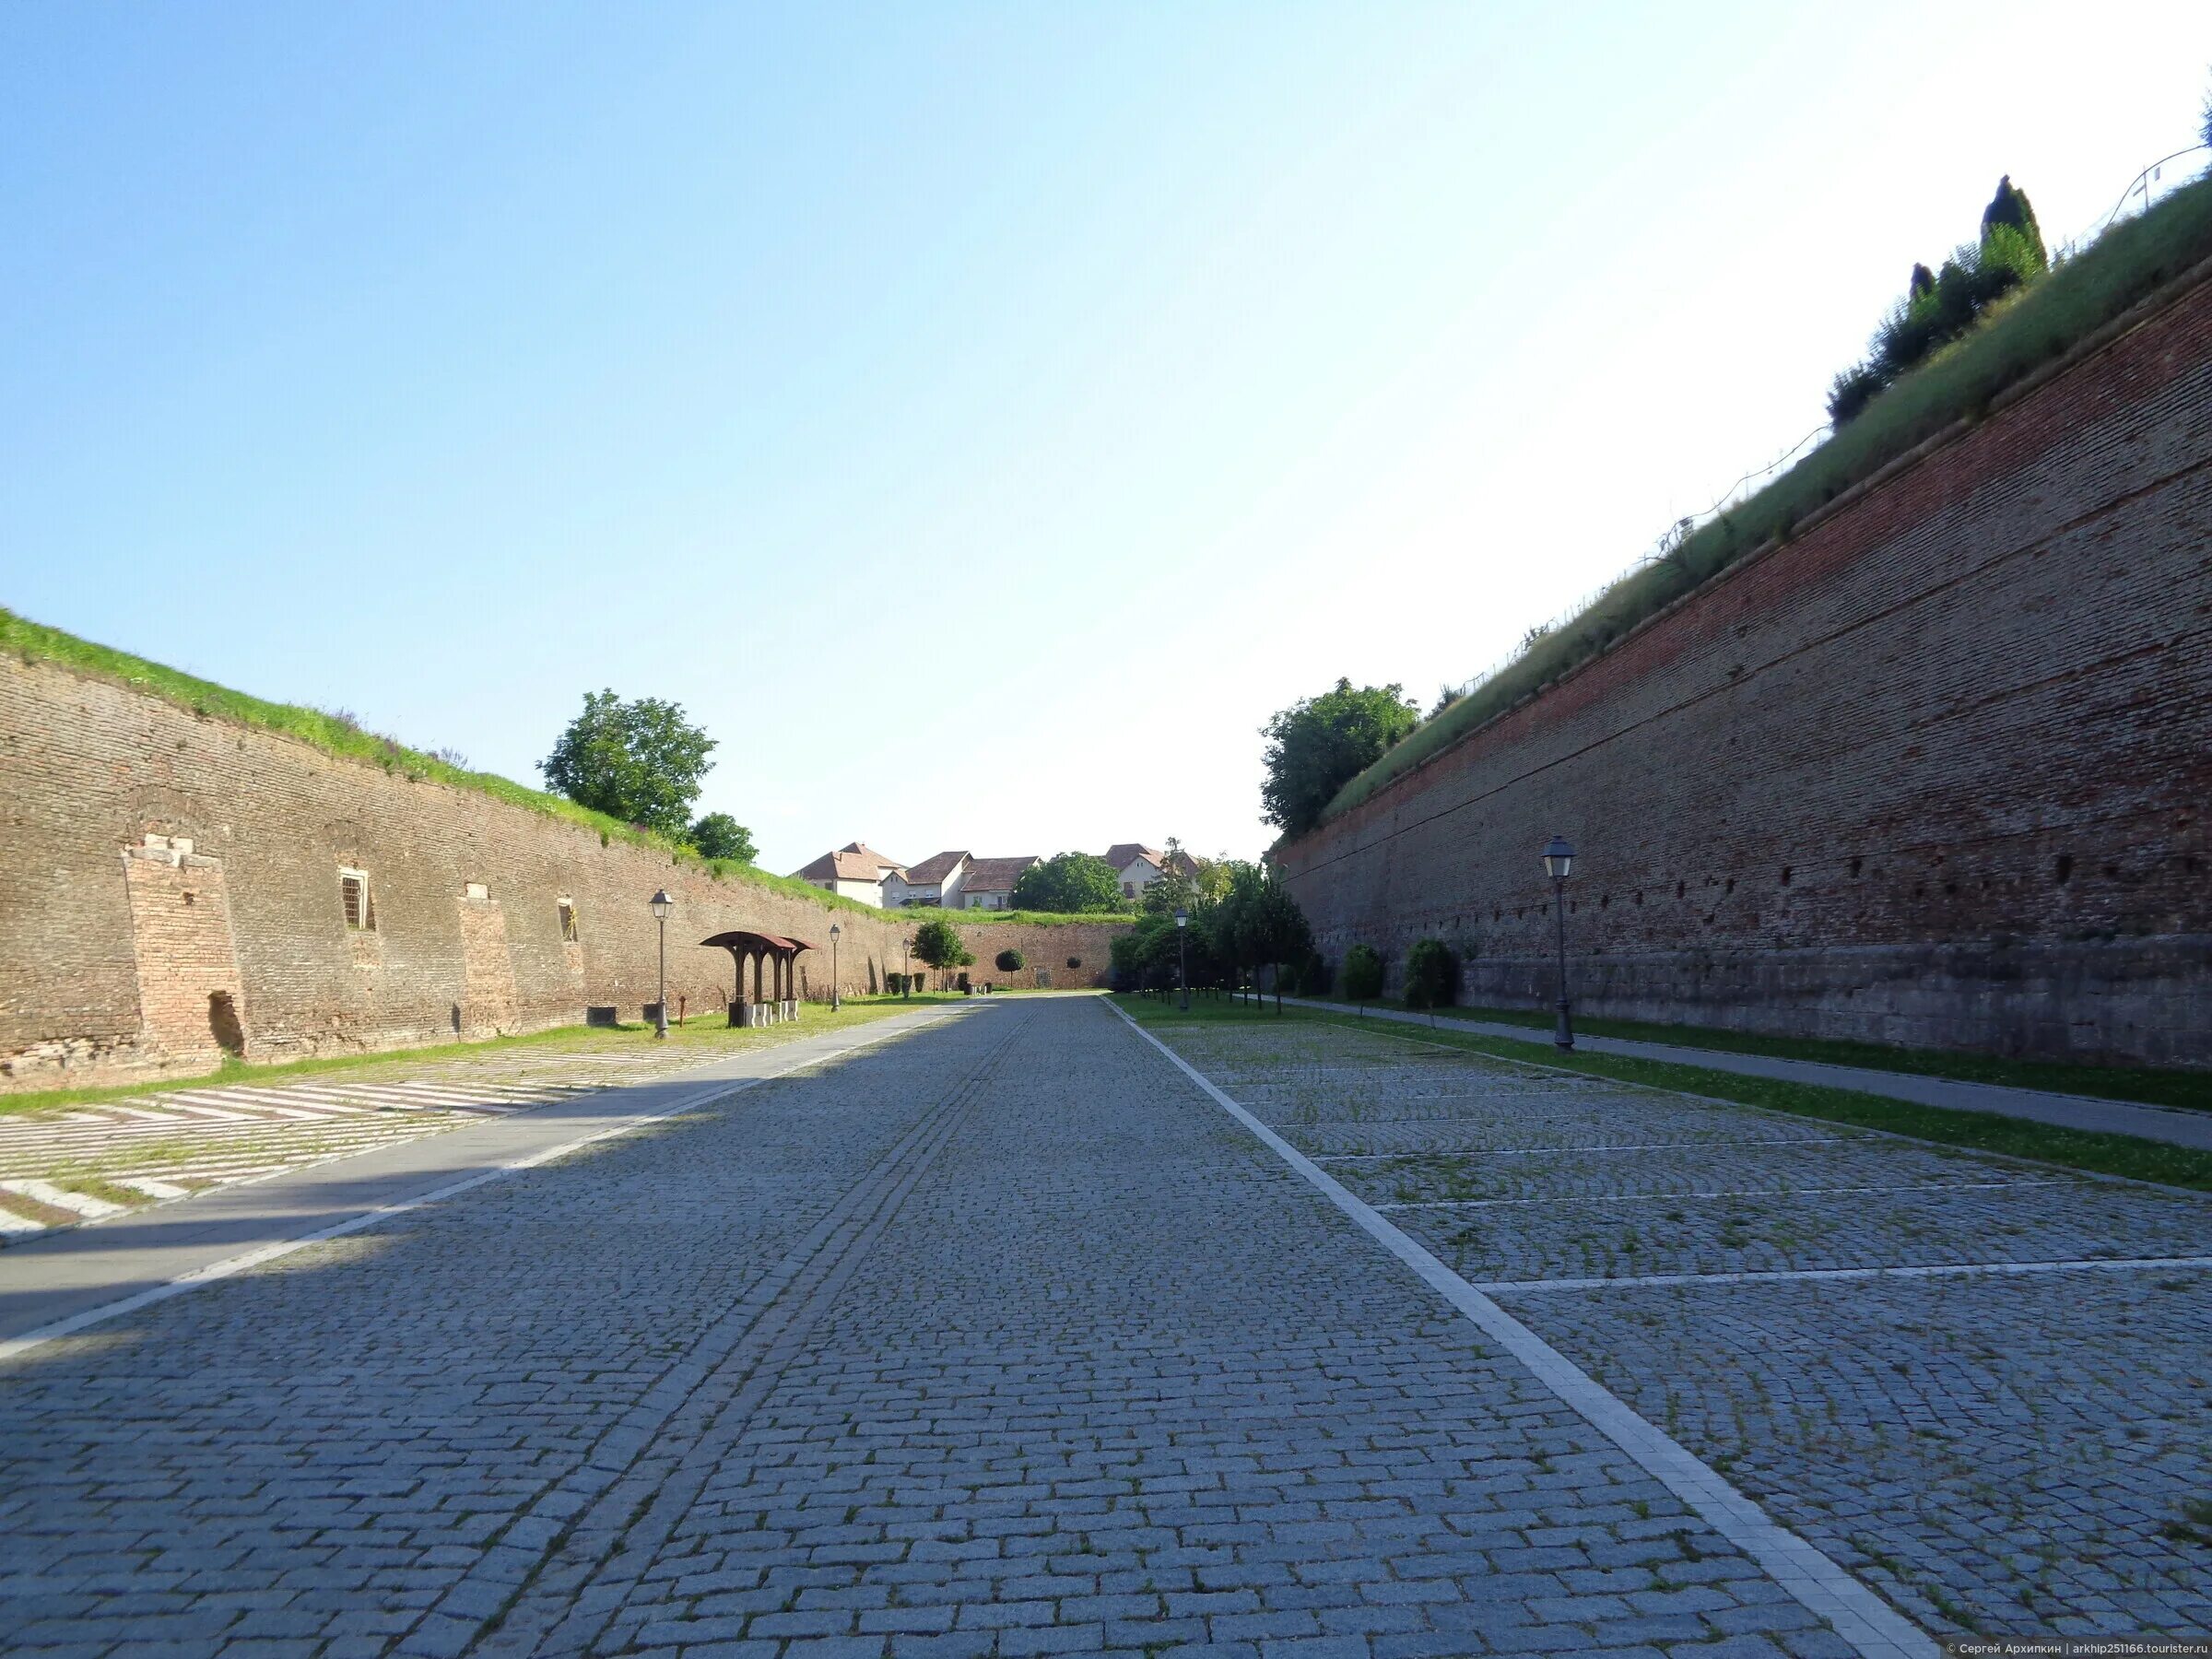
(1559, 859)
(662, 904)
(1183, 917)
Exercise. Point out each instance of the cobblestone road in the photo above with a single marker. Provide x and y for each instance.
(1002, 1338)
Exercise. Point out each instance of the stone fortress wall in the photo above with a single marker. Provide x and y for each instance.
(172, 885)
(1935, 772)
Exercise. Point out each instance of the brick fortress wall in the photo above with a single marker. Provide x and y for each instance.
(169, 886)
(1935, 772)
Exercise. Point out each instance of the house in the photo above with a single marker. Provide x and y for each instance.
(1137, 867)
(937, 880)
(854, 871)
(989, 882)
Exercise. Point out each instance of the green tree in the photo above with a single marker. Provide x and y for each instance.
(1319, 744)
(1274, 930)
(937, 944)
(1362, 975)
(639, 761)
(718, 835)
(1069, 883)
(1432, 975)
(2010, 207)
(1011, 961)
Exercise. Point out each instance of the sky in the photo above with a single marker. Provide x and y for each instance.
(981, 419)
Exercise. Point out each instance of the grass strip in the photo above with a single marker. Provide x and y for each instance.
(2124, 266)
(2148, 1086)
(2096, 1152)
(338, 734)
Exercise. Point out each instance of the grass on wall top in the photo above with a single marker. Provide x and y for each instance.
(336, 735)
(2079, 296)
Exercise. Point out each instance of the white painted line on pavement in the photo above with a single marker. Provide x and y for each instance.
(76, 1204)
(1928, 1188)
(1857, 1614)
(1941, 1270)
(14, 1347)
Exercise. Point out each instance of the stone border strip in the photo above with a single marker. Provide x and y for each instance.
(1725, 1146)
(1755, 1277)
(14, 1347)
(1856, 1613)
(1916, 1187)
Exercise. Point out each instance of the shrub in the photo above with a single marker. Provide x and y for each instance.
(1314, 976)
(1432, 975)
(1010, 961)
(1075, 961)
(1362, 973)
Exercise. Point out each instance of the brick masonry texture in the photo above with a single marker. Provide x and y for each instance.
(1931, 773)
(113, 950)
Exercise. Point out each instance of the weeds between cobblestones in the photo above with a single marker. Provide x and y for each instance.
(1998, 1455)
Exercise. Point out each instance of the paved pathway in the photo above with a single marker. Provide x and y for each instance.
(101, 1160)
(2175, 1126)
(996, 1336)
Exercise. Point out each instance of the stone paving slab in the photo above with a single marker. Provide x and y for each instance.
(2000, 1455)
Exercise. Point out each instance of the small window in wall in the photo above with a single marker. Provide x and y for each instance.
(567, 921)
(360, 905)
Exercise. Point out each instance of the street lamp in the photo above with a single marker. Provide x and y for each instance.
(1559, 864)
(906, 966)
(834, 1003)
(1183, 954)
(661, 905)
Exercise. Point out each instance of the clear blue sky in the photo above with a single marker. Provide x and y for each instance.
(981, 418)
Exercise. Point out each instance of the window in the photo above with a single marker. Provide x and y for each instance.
(567, 921)
(1128, 890)
(476, 889)
(354, 896)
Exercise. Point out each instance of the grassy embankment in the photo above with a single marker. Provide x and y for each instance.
(1974, 1131)
(339, 735)
(1957, 384)
(2145, 1084)
(706, 1036)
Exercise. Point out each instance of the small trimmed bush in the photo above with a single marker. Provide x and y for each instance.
(1362, 973)
(1314, 976)
(1075, 961)
(1010, 961)
(1432, 975)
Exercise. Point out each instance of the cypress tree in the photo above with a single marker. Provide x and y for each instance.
(2010, 207)
(1924, 282)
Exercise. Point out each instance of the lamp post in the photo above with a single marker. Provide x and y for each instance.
(1559, 864)
(906, 966)
(834, 1003)
(1183, 954)
(661, 905)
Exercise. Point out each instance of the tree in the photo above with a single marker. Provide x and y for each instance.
(1320, 744)
(1362, 975)
(718, 835)
(937, 945)
(1275, 931)
(1071, 884)
(1011, 961)
(638, 761)
(2010, 207)
(1432, 975)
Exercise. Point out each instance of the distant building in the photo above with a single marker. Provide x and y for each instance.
(854, 871)
(1137, 867)
(937, 880)
(989, 882)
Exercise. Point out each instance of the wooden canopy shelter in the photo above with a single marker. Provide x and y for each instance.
(775, 978)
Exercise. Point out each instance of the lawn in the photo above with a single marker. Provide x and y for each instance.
(2144, 1084)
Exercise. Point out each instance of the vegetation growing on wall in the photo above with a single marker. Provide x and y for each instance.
(1958, 383)
(340, 734)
